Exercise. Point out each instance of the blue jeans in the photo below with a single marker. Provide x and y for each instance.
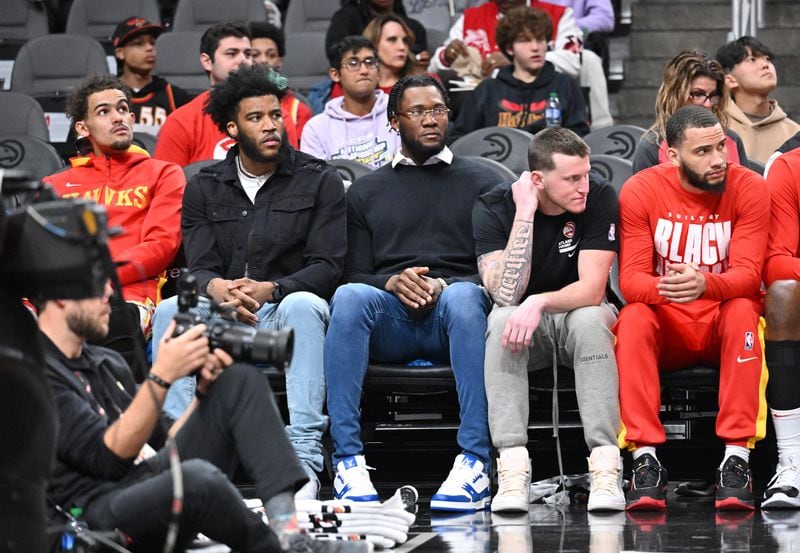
(370, 323)
(308, 315)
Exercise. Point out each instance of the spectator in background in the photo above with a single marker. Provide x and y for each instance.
(353, 126)
(354, 16)
(141, 195)
(152, 98)
(189, 135)
(269, 47)
(596, 19)
(392, 39)
(517, 97)
(691, 77)
(476, 28)
(751, 77)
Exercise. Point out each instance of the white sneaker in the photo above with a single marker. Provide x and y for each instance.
(310, 489)
(783, 491)
(466, 487)
(352, 481)
(605, 479)
(514, 479)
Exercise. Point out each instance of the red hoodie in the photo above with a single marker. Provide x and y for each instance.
(142, 196)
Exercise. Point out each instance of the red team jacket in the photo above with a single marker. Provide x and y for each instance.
(142, 196)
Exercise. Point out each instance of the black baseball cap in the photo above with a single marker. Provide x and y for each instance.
(134, 26)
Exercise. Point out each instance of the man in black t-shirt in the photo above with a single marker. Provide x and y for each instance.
(545, 245)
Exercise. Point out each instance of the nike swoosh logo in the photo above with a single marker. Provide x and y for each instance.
(72, 185)
(746, 359)
(570, 254)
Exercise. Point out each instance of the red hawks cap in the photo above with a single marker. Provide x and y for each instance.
(132, 27)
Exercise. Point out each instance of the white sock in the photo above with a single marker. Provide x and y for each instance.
(639, 451)
(739, 451)
(787, 434)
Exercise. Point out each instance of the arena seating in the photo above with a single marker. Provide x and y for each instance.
(199, 15)
(99, 18)
(506, 145)
(21, 114)
(308, 16)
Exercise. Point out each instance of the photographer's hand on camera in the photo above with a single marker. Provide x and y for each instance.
(215, 363)
(181, 355)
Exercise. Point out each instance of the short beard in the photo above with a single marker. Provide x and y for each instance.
(86, 327)
(696, 180)
(250, 149)
(417, 150)
(122, 145)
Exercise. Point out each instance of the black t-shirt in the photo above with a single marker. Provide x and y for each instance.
(556, 239)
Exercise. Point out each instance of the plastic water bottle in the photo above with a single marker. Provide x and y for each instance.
(552, 113)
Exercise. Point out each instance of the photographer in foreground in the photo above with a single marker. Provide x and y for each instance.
(107, 425)
(264, 233)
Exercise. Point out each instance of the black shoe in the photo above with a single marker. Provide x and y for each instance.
(303, 543)
(734, 485)
(648, 486)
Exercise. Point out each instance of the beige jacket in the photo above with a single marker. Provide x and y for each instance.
(761, 139)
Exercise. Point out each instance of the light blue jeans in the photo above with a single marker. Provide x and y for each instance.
(308, 315)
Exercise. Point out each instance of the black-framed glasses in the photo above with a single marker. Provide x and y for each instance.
(353, 64)
(699, 97)
(439, 112)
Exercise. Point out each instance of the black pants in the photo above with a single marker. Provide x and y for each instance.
(237, 426)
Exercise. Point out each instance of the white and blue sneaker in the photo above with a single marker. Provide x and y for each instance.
(466, 487)
(352, 481)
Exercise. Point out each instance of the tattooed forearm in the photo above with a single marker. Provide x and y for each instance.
(506, 274)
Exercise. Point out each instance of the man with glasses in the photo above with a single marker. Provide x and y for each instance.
(751, 77)
(413, 291)
(518, 95)
(353, 126)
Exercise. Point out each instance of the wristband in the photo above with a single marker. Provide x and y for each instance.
(158, 380)
(443, 282)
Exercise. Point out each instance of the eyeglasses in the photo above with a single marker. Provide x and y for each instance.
(439, 112)
(699, 97)
(353, 64)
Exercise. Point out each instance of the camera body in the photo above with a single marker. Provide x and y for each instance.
(243, 343)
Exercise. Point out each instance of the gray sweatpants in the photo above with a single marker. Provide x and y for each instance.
(584, 341)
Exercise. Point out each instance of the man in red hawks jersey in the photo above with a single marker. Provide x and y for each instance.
(141, 195)
(782, 336)
(694, 236)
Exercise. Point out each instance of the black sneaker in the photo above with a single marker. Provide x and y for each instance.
(734, 485)
(303, 543)
(648, 486)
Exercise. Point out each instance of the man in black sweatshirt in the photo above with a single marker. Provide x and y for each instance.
(413, 292)
(517, 96)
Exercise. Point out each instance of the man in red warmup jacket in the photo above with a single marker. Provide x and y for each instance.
(141, 195)
(694, 237)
